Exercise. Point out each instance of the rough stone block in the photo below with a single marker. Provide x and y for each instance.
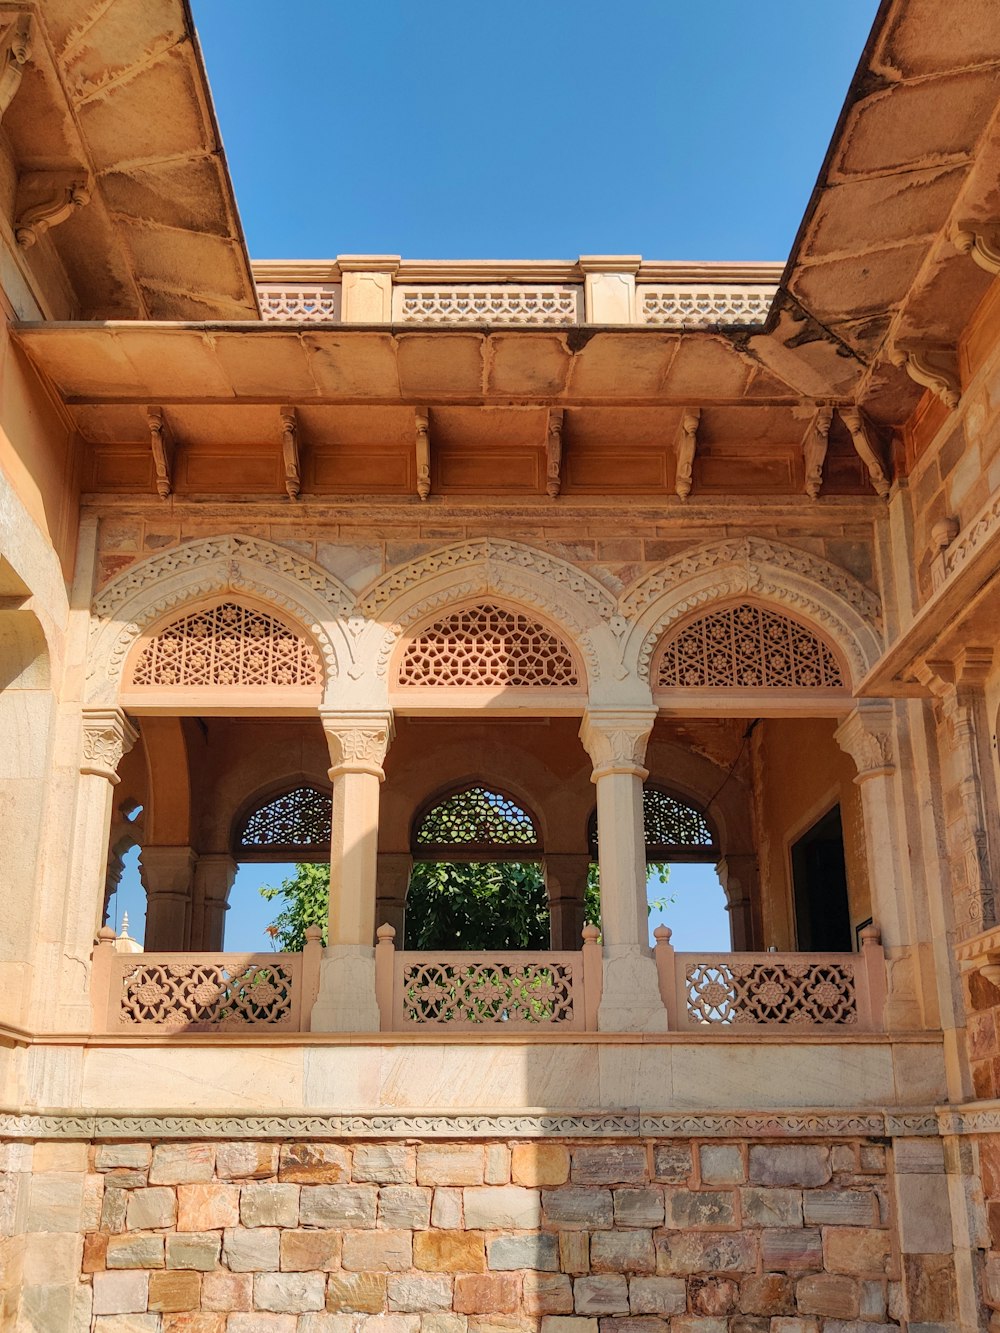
(496, 1167)
(194, 1321)
(604, 1294)
(635, 1324)
(443, 1323)
(828, 1294)
(924, 1156)
(574, 1251)
(385, 1164)
(924, 1214)
(446, 1210)
(227, 1291)
(578, 1207)
(791, 1250)
(251, 1249)
(134, 1156)
(404, 1206)
(771, 1207)
(873, 1300)
(314, 1164)
(494, 1207)
(568, 1324)
(930, 1287)
(198, 1250)
(342, 1206)
(673, 1163)
(538, 1250)
(860, 1251)
(95, 1251)
(363, 1293)
(389, 1323)
(261, 1323)
(535, 1164)
(113, 1210)
(175, 1291)
(709, 1252)
(699, 1210)
(839, 1207)
(694, 1323)
(59, 1156)
(207, 1207)
(377, 1251)
(55, 1201)
(790, 1324)
(486, 1293)
(246, 1161)
(149, 1208)
(310, 1251)
(657, 1295)
(546, 1293)
(713, 1296)
(125, 1323)
(450, 1164)
(638, 1208)
(767, 1294)
(807, 1165)
(873, 1159)
(126, 1178)
(182, 1163)
(417, 1292)
(844, 1159)
(622, 1252)
(612, 1164)
(120, 1293)
(721, 1164)
(289, 1293)
(135, 1249)
(266, 1204)
(93, 1202)
(449, 1251)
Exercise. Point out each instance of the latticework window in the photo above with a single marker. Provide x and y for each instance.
(476, 820)
(228, 644)
(673, 831)
(747, 647)
(487, 645)
(295, 824)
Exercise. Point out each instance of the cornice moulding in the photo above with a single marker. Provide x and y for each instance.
(512, 270)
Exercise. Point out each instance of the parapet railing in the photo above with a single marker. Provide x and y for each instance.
(769, 990)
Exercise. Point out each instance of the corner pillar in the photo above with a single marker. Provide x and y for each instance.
(167, 874)
(616, 741)
(214, 874)
(566, 887)
(739, 876)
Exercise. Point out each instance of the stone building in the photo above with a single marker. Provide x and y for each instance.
(377, 561)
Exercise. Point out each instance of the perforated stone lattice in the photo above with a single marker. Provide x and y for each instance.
(747, 646)
(487, 645)
(671, 829)
(477, 818)
(297, 820)
(206, 994)
(741, 992)
(228, 644)
(478, 992)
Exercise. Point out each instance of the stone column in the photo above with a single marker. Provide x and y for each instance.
(739, 876)
(358, 742)
(394, 870)
(214, 873)
(609, 288)
(167, 874)
(566, 884)
(616, 740)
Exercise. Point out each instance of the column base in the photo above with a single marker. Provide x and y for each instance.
(346, 1000)
(630, 1001)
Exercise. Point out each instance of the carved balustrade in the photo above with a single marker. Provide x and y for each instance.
(700, 306)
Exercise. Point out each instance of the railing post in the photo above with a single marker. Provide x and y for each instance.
(100, 978)
(666, 972)
(385, 956)
(312, 956)
(873, 965)
(593, 976)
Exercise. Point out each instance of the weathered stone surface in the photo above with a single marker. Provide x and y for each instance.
(289, 1293)
(622, 1251)
(568, 1324)
(418, 1292)
(924, 1214)
(828, 1294)
(125, 1323)
(614, 1164)
(486, 1293)
(699, 1210)
(534, 1164)
(385, 1164)
(694, 1323)
(207, 1207)
(261, 1323)
(251, 1249)
(55, 1201)
(606, 1294)
(149, 1208)
(923, 1156)
(930, 1288)
(873, 1300)
(721, 1164)
(91, 1205)
(496, 1167)
(135, 1156)
(170, 1292)
(574, 1251)
(449, 1251)
(314, 1164)
(574, 1206)
(194, 1321)
(135, 1250)
(114, 1210)
(198, 1250)
(873, 1159)
(353, 1206)
(634, 1324)
(771, 1207)
(439, 1322)
(638, 1208)
(713, 1296)
(377, 1251)
(790, 1324)
(673, 1163)
(792, 1250)
(446, 1210)
(182, 1163)
(767, 1294)
(546, 1293)
(364, 1293)
(310, 1251)
(246, 1161)
(404, 1206)
(267, 1204)
(860, 1251)
(450, 1164)
(492, 1207)
(839, 1207)
(537, 1250)
(120, 1293)
(95, 1250)
(708, 1252)
(227, 1291)
(789, 1164)
(657, 1295)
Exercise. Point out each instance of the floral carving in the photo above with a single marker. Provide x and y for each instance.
(358, 741)
(866, 735)
(107, 738)
(616, 739)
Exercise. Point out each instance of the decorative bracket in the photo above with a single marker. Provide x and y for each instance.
(932, 365)
(686, 444)
(423, 443)
(15, 52)
(162, 445)
(553, 452)
(980, 242)
(814, 447)
(864, 446)
(55, 195)
(290, 451)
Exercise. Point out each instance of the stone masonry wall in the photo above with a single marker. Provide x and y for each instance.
(443, 1237)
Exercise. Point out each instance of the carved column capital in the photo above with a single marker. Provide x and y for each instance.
(615, 739)
(46, 199)
(358, 741)
(867, 736)
(107, 737)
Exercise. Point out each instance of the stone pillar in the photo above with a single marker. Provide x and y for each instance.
(366, 288)
(394, 870)
(566, 885)
(167, 874)
(214, 873)
(739, 876)
(358, 742)
(616, 741)
(609, 288)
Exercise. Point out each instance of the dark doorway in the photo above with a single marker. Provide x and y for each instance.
(819, 876)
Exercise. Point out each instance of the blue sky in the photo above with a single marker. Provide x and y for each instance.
(674, 129)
